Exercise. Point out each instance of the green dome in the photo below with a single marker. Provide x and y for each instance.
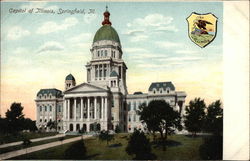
(70, 77)
(106, 32)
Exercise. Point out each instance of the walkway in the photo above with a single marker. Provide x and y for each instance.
(40, 147)
(32, 140)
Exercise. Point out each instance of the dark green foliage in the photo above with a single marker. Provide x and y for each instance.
(15, 118)
(76, 151)
(160, 116)
(4, 126)
(105, 136)
(26, 142)
(28, 124)
(52, 125)
(139, 146)
(117, 129)
(214, 118)
(212, 148)
(195, 115)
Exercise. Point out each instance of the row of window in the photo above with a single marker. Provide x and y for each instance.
(161, 90)
(104, 53)
(40, 96)
(134, 106)
(49, 108)
(45, 120)
(133, 118)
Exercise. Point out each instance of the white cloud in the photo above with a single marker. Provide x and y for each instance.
(166, 28)
(50, 46)
(81, 38)
(88, 18)
(154, 20)
(135, 50)
(139, 38)
(17, 32)
(187, 51)
(20, 50)
(168, 44)
(141, 28)
(51, 26)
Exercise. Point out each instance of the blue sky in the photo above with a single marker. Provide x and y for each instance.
(39, 50)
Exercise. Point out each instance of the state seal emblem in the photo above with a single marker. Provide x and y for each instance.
(202, 28)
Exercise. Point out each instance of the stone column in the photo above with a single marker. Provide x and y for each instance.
(81, 116)
(102, 71)
(106, 109)
(102, 115)
(68, 100)
(95, 108)
(64, 109)
(88, 106)
(75, 109)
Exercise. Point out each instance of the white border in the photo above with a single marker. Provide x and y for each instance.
(236, 80)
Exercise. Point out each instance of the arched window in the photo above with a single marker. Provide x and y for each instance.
(106, 52)
(98, 53)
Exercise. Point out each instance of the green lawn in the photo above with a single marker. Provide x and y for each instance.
(30, 135)
(181, 147)
(18, 147)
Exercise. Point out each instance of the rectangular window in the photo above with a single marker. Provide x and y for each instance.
(50, 108)
(120, 71)
(41, 108)
(45, 108)
(106, 52)
(59, 108)
(105, 72)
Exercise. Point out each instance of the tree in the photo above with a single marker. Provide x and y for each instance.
(139, 145)
(4, 126)
(212, 148)
(105, 136)
(160, 116)
(195, 115)
(117, 129)
(28, 124)
(15, 118)
(52, 125)
(214, 118)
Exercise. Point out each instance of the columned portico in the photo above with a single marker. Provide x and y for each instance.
(86, 108)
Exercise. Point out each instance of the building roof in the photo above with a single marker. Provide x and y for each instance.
(164, 85)
(113, 74)
(70, 77)
(106, 32)
(52, 91)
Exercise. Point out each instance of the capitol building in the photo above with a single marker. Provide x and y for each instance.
(102, 102)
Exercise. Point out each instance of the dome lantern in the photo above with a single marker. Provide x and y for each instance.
(106, 15)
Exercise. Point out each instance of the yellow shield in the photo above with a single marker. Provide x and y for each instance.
(202, 28)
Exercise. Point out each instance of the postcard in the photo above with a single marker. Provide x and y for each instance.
(106, 80)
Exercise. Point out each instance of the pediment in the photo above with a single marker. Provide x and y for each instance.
(85, 87)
